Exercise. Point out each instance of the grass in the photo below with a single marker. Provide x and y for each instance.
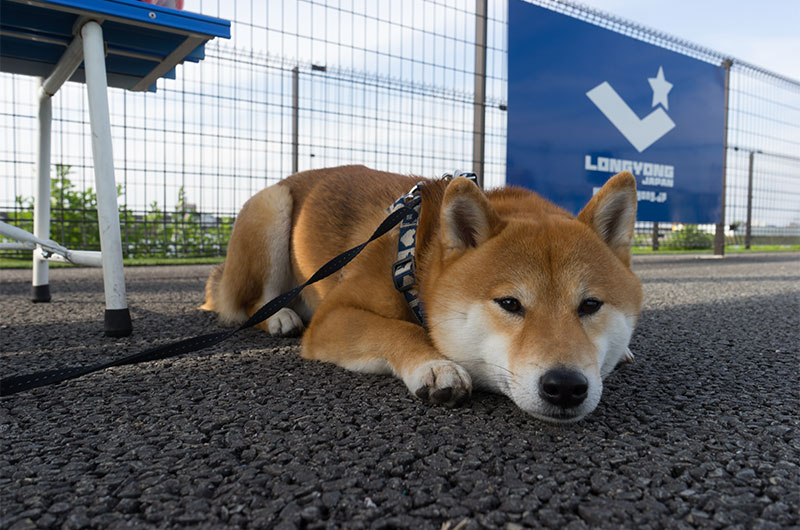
(9, 263)
(729, 249)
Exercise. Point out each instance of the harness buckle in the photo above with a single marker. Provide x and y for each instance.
(399, 276)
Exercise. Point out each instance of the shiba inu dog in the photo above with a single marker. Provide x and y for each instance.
(519, 296)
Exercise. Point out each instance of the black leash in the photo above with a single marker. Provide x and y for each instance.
(20, 383)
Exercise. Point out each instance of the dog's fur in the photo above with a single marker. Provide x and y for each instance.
(474, 250)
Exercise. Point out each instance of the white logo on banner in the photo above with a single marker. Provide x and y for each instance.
(640, 132)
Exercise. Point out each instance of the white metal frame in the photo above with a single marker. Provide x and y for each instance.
(87, 47)
(46, 250)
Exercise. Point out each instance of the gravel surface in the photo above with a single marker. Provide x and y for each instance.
(703, 431)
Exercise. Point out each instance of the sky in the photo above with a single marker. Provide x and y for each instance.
(762, 32)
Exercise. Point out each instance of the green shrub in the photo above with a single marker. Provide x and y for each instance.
(183, 232)
(689, 238)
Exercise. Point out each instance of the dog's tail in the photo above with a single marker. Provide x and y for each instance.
(212, 289)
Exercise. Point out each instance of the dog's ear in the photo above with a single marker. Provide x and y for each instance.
(467, 218)
(612, 214)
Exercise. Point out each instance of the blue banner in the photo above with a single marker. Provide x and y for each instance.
(585, 103)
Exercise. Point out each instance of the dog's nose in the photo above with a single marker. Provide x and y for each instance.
(563, 388)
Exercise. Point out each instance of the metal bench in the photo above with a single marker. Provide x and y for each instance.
(103, 43)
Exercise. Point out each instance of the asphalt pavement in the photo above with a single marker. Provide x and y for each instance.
(702, 431)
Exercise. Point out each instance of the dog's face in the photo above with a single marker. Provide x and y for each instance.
(538, 307)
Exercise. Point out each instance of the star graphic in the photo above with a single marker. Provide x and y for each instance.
(661, 88)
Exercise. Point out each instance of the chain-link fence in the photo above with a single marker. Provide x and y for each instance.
(313, 83)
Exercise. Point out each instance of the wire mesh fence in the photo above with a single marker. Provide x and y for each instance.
(313, 83)
(763, 159)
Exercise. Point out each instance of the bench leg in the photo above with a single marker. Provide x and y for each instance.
(40, 290)
(117, 317)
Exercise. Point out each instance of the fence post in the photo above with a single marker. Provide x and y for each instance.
(655, 236)
(295, 117)
(479, 107)
(748, 231)
(719, 236)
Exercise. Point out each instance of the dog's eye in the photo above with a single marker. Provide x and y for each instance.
(589, 307)
(510, 304)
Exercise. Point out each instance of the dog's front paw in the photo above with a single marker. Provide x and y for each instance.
(285, 323)
(442, 382)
